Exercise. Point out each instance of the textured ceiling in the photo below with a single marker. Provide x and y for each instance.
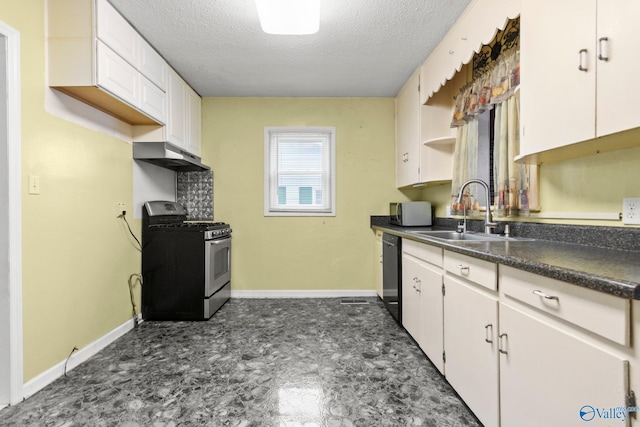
(365, 48)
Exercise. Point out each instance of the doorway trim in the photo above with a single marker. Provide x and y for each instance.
(13, 312)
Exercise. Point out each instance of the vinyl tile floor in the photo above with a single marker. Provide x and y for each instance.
(257, 362)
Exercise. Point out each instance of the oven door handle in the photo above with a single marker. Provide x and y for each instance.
(218, 241)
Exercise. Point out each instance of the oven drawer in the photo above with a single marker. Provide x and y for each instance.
(217, 300)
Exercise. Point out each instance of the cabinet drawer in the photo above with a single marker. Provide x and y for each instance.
(597, 312)
(428, 253)
(479, 271)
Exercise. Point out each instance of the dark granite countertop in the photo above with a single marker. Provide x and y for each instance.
(604, 269)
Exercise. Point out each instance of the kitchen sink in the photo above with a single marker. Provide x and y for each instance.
(468, 236)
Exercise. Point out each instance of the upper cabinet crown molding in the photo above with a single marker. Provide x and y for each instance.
(476, 27)
(96, 56)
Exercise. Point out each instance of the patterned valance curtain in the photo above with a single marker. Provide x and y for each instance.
(495, 85)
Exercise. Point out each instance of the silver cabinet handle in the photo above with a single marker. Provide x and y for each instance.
(545, 296)
(582, 53)
(602, 57)
(463, 267)
(488, 332)
(501, 349)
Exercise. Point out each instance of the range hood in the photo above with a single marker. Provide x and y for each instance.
(167, 156)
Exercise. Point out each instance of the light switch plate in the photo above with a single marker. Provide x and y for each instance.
(631, 211)
(34, 184)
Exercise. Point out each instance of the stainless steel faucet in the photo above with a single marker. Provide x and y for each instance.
(488, 220)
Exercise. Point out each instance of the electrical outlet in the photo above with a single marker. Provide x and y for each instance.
(120, 208)
(631, 211)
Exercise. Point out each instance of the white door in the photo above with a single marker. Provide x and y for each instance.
(551, 378)
(10, 223)
(618, 40)
(471, 349)
(408, 133)
(430, 329)
(557, 98)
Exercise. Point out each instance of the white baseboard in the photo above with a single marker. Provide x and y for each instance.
(304, 294)
(82, 355)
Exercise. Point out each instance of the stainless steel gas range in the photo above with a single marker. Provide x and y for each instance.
(186, 266)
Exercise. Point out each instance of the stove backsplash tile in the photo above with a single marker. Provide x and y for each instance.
(195, 192)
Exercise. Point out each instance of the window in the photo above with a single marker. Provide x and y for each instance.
(299, 170)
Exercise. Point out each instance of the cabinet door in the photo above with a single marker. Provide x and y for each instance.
(410, 311)
(557, 99)
(117, 33)
(422, 307)
(470, 332)
(195, 121)
(429, 335)
(152, 65)
(408, 133)
(177, 121)
(153, 100)
(618, 40)
(117, 76)
(551, 378)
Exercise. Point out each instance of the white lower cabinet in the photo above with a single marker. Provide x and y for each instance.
(470, 333)
(422, 298)
(471, 349)
(521, 349)
(550, 378)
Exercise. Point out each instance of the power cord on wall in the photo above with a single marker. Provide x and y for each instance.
(135, 277)
(124, 218)
(69, 357)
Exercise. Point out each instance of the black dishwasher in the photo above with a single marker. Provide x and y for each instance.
(392, 275)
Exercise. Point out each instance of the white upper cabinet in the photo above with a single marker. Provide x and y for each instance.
(618, 42)
(577, 77)
(177, 123)
(97, 57)
(152, 65)
(194, 120)
(557, 98)
(184, 118)
(117, 75)
(115, 32)
(424, 139)
(408, 133)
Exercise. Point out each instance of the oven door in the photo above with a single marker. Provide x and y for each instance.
(217, 264)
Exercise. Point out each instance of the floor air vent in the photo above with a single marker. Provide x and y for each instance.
(351, 301)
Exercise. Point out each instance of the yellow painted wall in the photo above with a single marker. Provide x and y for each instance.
(76, 255)
(301, 253)
(596, 183)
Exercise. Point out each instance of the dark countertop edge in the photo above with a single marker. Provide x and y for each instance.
(619, 288)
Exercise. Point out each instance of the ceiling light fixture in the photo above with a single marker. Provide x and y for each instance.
(289, 17)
